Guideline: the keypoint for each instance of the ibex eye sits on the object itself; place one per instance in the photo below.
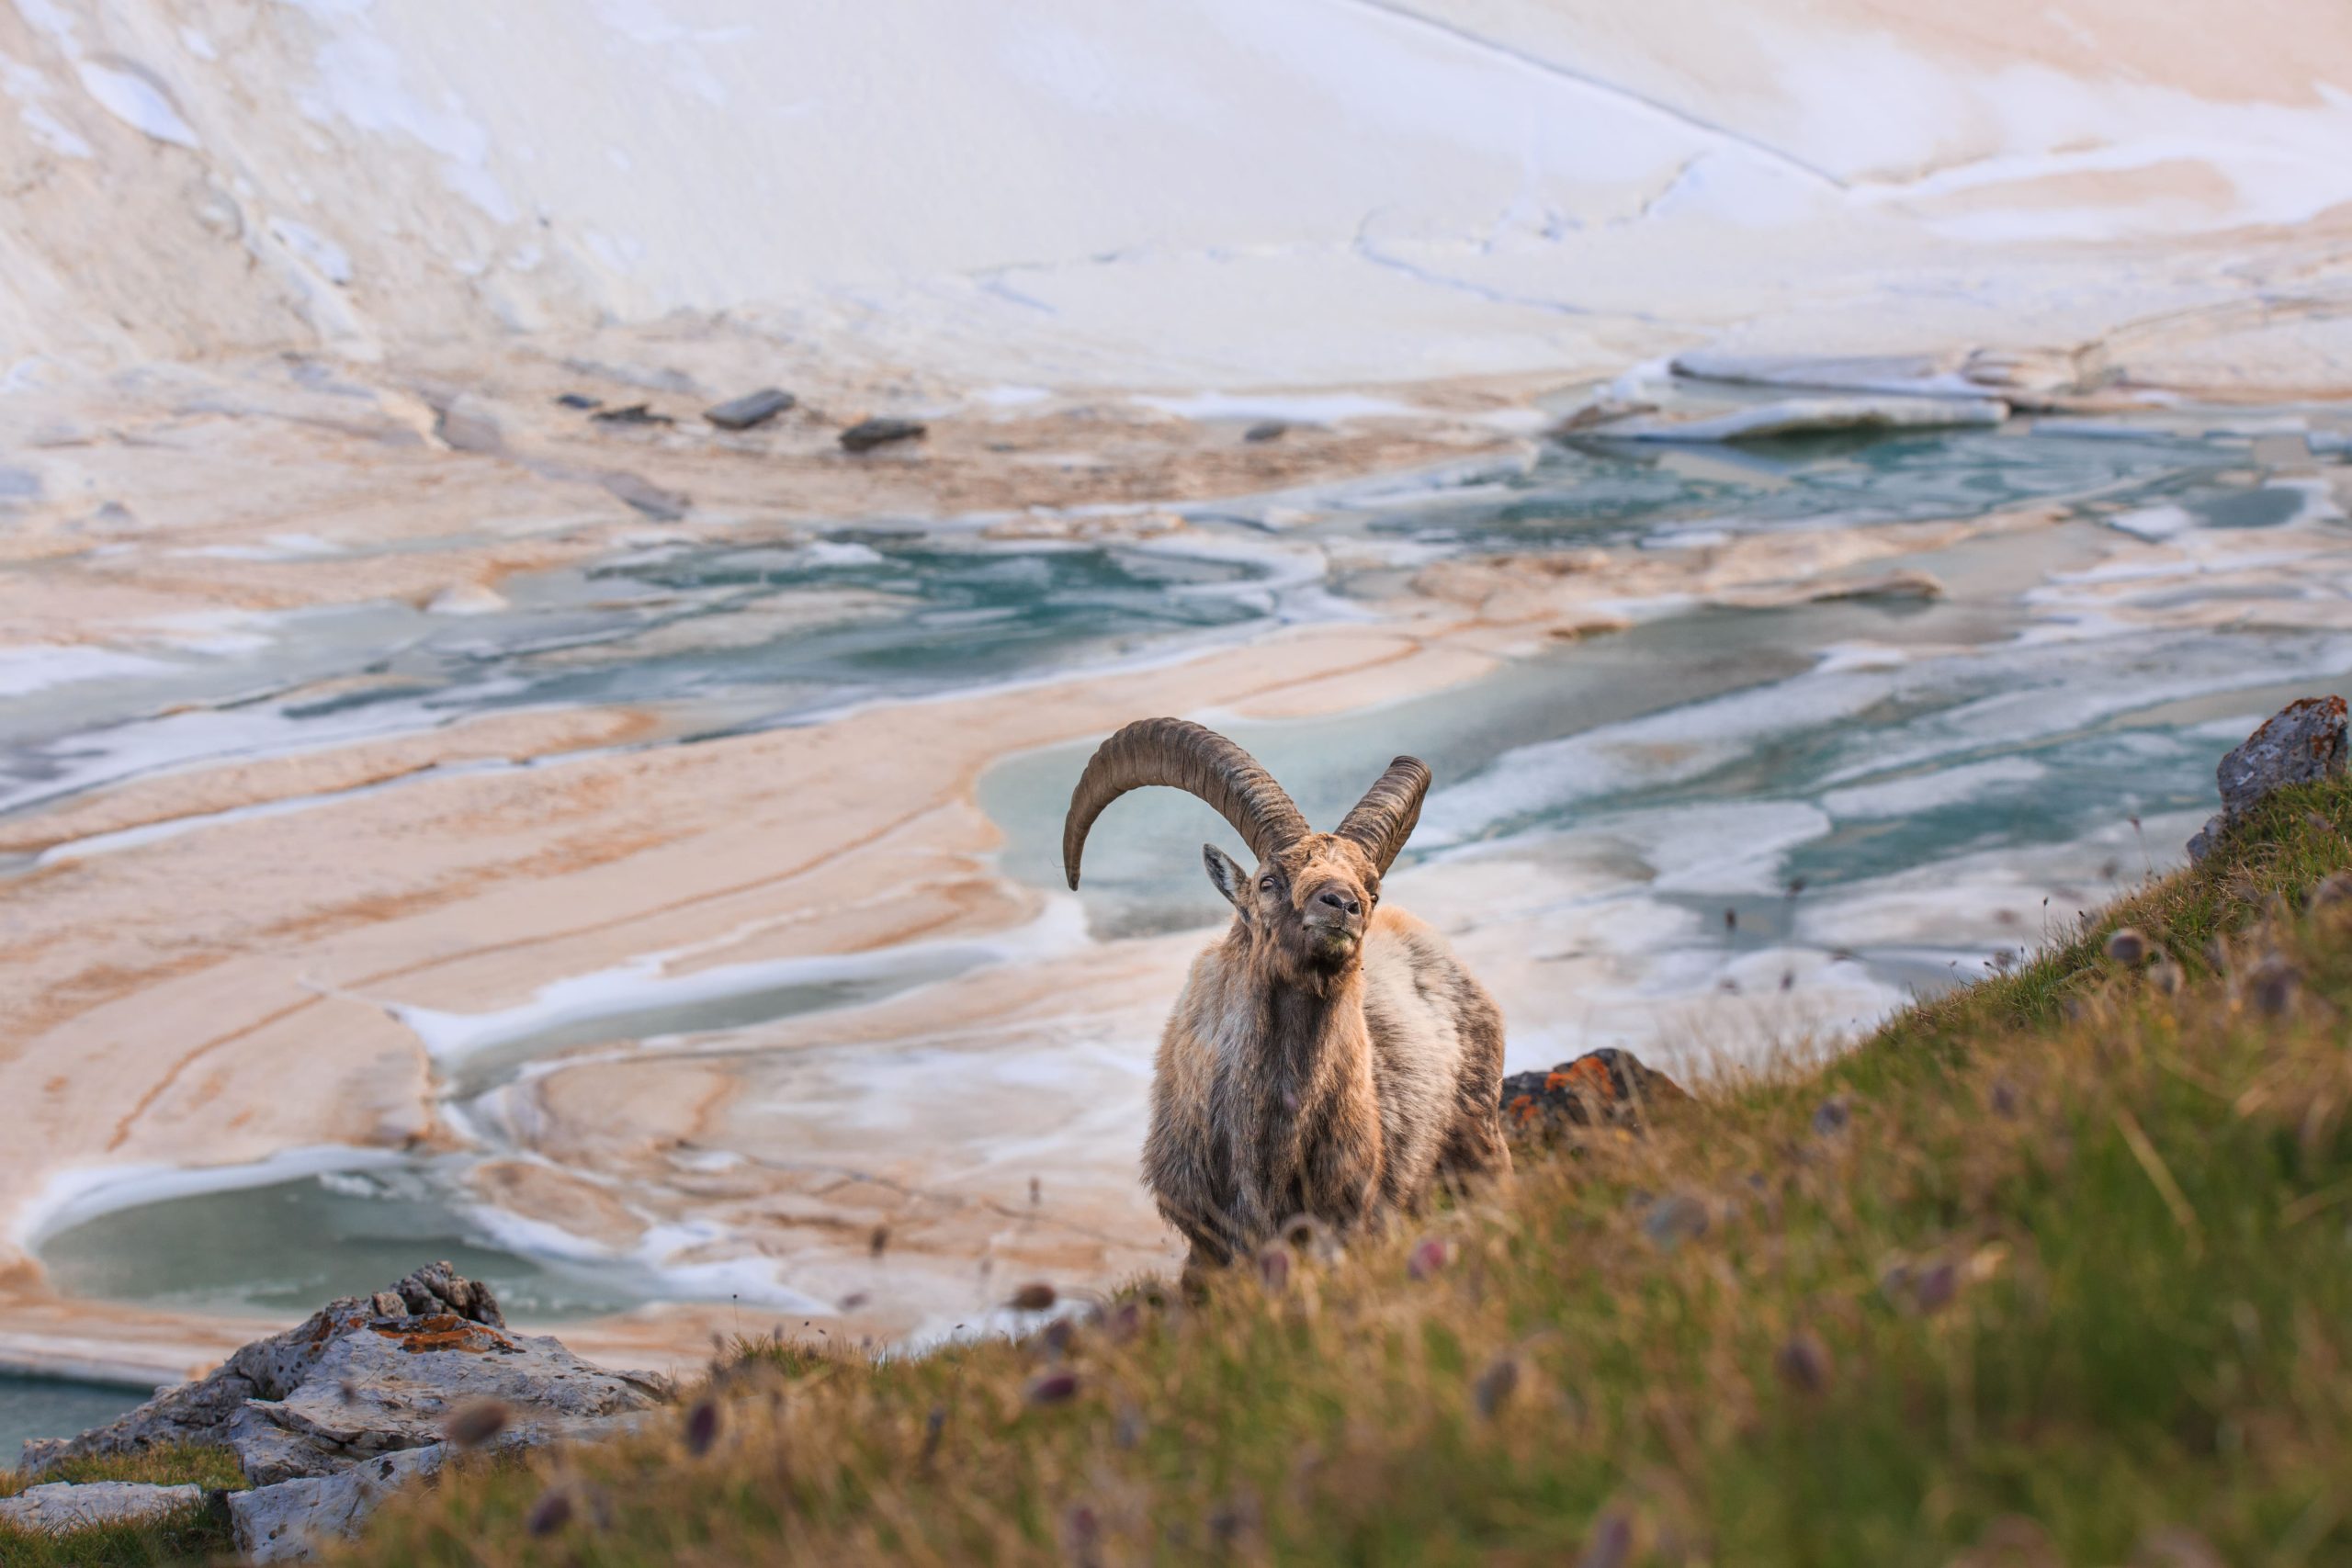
(1267, 883)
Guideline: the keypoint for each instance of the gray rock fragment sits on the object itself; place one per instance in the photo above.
(61, 1506)
(750, 409)
(868, 433)
(663, 505)
(2302, 743)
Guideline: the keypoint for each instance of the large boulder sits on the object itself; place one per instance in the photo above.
(2302, 743)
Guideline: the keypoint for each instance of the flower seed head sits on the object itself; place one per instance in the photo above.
(472, 1425)
(702, 1427)
(549, 1514)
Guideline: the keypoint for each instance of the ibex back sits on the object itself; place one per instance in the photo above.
(1329, 1057)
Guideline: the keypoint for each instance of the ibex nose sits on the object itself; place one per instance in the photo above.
(1340, 901)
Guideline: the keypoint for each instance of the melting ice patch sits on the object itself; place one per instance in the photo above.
(1925, 792)
(35, 667)
(645, 987)
(131, 97)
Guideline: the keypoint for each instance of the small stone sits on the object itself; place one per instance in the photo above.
(750, 409)
(868, 433)
(2126, 945)
(635, 414)
(579, 400)
(663, 505)
(1266, 429)
(469, 424)
(2200, 845)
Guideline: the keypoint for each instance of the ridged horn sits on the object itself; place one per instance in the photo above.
(1384, 819)
(1182, 755)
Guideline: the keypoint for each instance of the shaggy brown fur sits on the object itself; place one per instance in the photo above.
(1329, 1057)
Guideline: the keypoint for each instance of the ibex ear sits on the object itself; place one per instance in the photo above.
(1227, 875)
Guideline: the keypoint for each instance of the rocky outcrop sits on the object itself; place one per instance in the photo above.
(328, 1418)
(2302, 743)
(59, 1507)
(273, 1369)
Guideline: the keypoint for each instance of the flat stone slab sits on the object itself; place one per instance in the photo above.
(61, 1505)
(750, 409)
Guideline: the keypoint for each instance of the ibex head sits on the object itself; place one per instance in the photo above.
(1312, 893)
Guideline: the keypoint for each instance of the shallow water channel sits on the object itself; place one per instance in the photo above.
(1878, 795)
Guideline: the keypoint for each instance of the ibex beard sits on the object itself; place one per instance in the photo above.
(1329, 1061)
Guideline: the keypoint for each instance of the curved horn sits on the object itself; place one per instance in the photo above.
(1183, 755)
(1384, 819)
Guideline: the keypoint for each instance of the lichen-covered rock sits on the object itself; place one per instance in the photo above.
(2302, 743)
(389, 1384)
(61, 1506)
(1603, 1087)
(364, 1376)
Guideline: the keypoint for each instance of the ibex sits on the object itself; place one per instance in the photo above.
(1329, 1057)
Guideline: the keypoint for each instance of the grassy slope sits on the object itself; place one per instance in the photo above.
(2051, 1267)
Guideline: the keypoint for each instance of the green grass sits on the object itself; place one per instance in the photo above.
(2055, 1270)
(194, 1535)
